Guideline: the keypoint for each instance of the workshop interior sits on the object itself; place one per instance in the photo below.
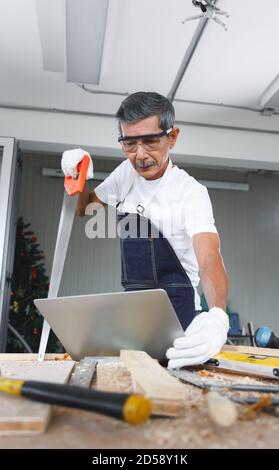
(66, 67)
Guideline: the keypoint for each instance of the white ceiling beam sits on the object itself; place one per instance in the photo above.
(199, 145)
(190, 51)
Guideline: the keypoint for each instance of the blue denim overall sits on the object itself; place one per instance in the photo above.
(149, 262)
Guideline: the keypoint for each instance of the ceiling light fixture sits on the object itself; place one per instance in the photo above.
(101, 176)
(85, 33)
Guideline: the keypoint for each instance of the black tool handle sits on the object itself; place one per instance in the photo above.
(273, 342)
(111, 404)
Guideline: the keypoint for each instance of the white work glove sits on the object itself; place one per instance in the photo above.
(203, 338)
(70, 161)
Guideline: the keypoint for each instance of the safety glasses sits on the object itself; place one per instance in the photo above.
(148, 141)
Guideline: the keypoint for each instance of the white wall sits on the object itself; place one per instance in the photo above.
(248, 223)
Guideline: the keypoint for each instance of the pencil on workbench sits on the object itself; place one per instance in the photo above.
(132, 408)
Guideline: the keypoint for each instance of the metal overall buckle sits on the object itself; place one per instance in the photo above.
(140, 209)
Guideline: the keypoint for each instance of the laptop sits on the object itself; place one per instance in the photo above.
(103, 324)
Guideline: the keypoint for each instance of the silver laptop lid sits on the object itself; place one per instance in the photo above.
(103, 324)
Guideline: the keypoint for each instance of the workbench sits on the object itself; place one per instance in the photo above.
(75, 429)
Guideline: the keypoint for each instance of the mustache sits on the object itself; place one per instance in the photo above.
(144, 164)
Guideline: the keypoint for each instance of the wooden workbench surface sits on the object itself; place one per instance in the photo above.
(79, 429)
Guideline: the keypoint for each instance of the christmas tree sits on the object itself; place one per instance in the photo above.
(29, 282)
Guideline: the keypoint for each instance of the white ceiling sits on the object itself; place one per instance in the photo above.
(144, 45)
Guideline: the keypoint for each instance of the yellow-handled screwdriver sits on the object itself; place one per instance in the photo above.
(132, 408)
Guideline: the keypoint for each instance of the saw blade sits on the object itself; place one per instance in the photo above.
(62, 242)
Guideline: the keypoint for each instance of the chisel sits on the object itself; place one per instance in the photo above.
(132, 408)
(211, 384)
(72, 188)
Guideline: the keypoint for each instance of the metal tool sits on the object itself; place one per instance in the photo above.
(209, 384)
(189, 377)
(84, 372)
(72, 188)
(251, 400)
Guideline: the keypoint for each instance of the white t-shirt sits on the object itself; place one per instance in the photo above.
(176, 204)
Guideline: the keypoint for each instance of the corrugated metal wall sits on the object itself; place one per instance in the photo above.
(248, 223)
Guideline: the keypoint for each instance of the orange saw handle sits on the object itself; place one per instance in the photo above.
(75, 185)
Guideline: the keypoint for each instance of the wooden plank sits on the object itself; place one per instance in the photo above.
(251, 350)
(33, 357)
(166, 393)
(19, 415)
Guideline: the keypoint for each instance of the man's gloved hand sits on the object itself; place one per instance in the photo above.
(70, 161)
(203, 338)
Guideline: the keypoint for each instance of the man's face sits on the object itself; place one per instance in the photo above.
(149, 156)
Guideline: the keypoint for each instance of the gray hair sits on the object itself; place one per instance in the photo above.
(142, 105)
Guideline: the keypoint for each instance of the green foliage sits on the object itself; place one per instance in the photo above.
(29, 282)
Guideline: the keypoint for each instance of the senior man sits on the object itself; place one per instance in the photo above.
(147, 187)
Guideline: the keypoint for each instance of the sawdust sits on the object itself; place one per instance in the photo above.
(195, 429)
(114, 377)
(204, 373)
(72, 428)
(64, 357)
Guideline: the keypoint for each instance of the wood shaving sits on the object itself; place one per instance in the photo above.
(204, 373)
(65, 357)
(251, 411)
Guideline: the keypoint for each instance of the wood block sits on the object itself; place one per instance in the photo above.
(166, 393)
(22, 416)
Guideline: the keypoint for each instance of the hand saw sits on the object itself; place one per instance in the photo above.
(72, 188)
